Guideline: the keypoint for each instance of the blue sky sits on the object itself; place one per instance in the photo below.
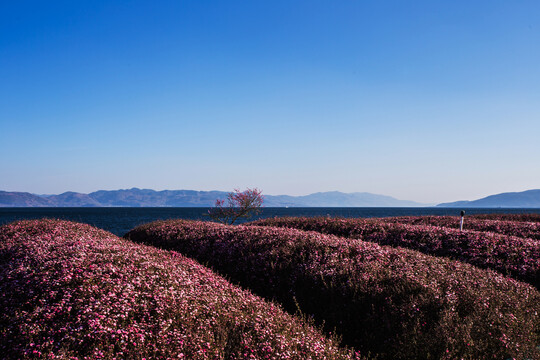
(430, 101)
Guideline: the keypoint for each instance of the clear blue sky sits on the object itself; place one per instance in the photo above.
(422, 100)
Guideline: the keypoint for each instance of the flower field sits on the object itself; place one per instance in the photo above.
(505, 227)
(509, 217)
(71, 291)
(396, 303)
(510, 255)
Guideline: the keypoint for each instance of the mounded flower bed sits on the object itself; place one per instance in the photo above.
(512, 228)
(396, 303)
(71, 291)
(509, 217)
(509, 255)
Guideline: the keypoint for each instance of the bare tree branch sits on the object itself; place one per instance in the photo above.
(239, 204)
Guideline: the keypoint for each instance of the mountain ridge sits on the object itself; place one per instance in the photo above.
(522, 199)
(136, 197)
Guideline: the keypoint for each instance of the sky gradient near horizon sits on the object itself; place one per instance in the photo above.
(428, 101)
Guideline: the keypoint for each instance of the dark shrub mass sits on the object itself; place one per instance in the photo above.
(393, 302)
(509, 255)
(504, 227)
(509, 217)
(71, 291)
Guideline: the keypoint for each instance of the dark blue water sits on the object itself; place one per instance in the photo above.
(121, 220)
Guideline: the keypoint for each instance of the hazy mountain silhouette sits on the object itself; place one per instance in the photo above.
(524, 199)
(190, 198)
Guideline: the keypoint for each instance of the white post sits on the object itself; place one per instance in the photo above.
(461, 222)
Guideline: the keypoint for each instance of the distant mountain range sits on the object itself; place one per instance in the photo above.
(189, 198)
(524, 199)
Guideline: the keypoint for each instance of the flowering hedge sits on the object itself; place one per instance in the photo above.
(508, 217)
(71, 291)
(513, 228)
(394, 302)
(509, 255)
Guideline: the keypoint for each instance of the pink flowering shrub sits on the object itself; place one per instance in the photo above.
(393, 302)
(71, 291)
(239, 204)
(513, 228)
(509, 217)
(509, 255)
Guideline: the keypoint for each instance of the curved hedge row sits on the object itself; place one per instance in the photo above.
(394, 302)
(68, 290)
(509, 217)
(529, 230)
(509, 255)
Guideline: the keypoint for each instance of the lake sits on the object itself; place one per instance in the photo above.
(120, 220)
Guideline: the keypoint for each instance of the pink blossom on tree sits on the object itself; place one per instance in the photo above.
(239, 204)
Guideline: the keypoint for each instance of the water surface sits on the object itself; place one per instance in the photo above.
(120, 220)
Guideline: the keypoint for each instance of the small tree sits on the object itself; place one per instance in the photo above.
(239, 204)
